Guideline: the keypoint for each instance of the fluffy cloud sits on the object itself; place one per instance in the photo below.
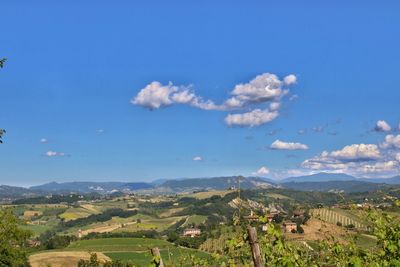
(363, 160)
(391, 141)
(262, 171)
(54, 154)
(265, 89)
(197, 158)
(253, 118)
(357, 152)
(290, 79)
(280, 145)
(382, 126)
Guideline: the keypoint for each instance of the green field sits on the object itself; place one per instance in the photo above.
(195, 219)
(136, 250)
(36, 229)
(118, 244)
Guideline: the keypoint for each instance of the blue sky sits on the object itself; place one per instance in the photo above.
(75, 68)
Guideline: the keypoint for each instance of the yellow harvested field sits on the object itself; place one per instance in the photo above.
(62, 258)
(319, 230)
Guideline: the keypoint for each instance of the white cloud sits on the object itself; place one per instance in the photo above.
(280, 145)
(391, 141)
(155, 95)
(197, 158)
(362, 160)
(357, 152)
(398, 157)
(54, 154)
(382, 126)
(262, 171)
(265, 89)
(290, 79)
(253, 118)
(44, 140)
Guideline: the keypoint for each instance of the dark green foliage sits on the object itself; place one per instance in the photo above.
(59, 241)
(190, 242)
(55, 199)
(94, 262)
(147, 234)
(2, 61)
(12, 240)
(2, 132)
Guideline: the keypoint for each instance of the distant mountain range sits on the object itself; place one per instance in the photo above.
(315, 182)
(88, 187)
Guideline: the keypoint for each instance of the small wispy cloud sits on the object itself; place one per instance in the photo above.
(281, 145)
(100, 131)
(51, 154)
(382, 126)
(197, 158)
(44, 140)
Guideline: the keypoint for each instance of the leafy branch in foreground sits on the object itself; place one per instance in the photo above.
(2, 61)
(2, 132)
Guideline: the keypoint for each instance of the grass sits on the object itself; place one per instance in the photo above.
(208, 194)
(118, 244)
(36, 229)
(135, 250)
(195, 219)
(277, 196)
(144, 258)
(151, 224)
(366, 241)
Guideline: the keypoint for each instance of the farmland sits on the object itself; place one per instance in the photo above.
(341, 216)
(126, 227)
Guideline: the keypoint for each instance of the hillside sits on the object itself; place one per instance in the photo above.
(320, 177)
(216, 183)
(335, 186)
(89, 187)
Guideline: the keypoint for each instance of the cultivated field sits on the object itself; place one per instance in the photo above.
(62, 258)
(335, 216)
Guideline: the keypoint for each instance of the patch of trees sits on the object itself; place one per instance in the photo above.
(12, 240)
(138, 234)
(58, 241)
(189, 242)
(95, 262)
(102, 217)
(56, 199)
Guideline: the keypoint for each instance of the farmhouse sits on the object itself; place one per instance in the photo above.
(192, 232)
(289, 227)
(28, 214)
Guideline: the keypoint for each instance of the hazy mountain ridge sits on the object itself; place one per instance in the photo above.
(315, 182)
(88, 187)
(348, 186)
